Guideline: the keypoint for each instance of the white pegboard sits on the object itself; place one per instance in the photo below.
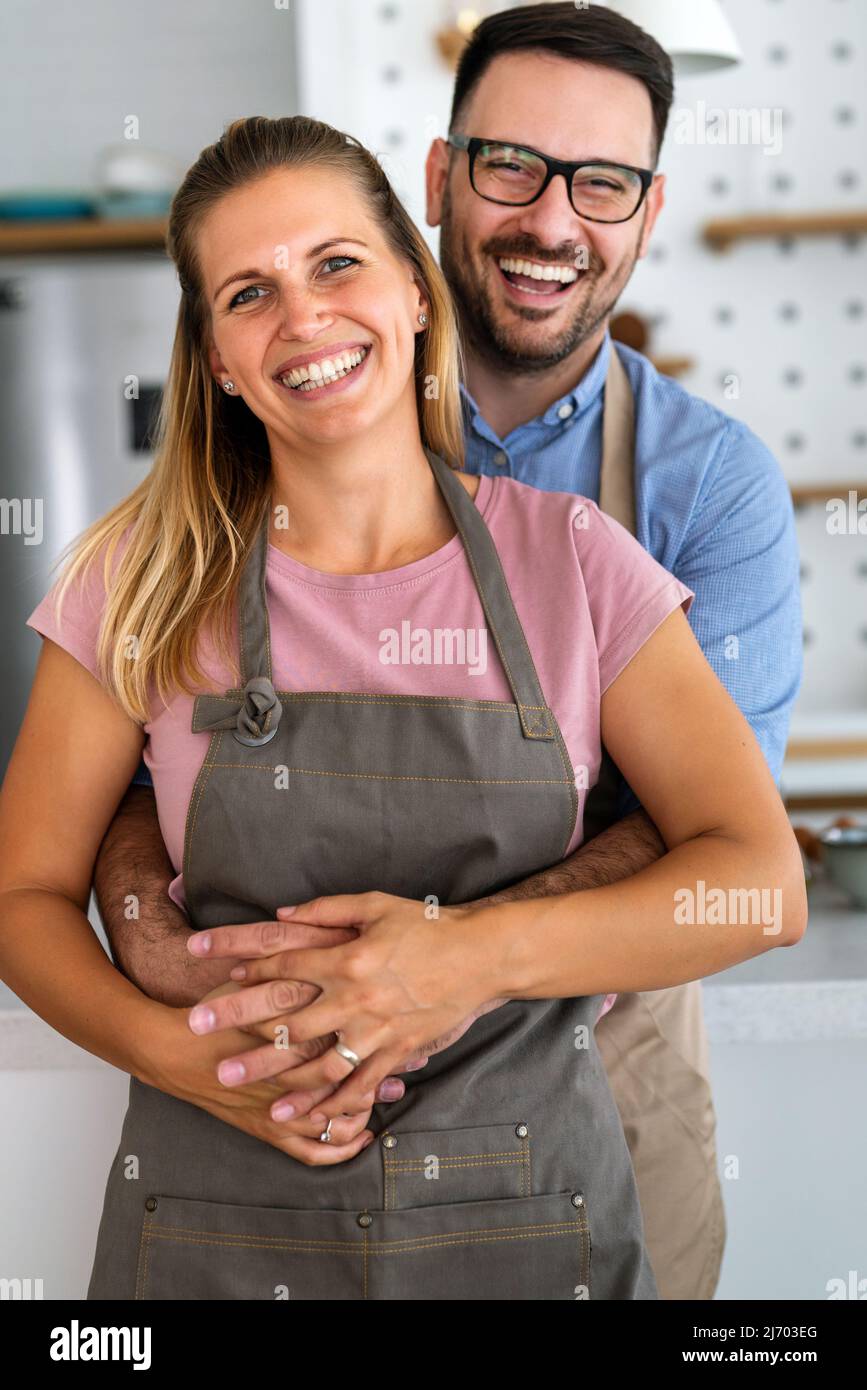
(787, 318)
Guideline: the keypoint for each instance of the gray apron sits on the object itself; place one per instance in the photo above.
(503, 1172)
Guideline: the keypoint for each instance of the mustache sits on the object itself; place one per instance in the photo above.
(567, 255)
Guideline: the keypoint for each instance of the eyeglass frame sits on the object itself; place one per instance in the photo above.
(473, 143)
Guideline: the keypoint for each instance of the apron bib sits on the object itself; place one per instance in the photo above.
(503, 1172)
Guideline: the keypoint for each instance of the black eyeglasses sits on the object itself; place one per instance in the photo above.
(517, 175)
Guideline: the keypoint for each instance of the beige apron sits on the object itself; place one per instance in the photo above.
(653, 1044)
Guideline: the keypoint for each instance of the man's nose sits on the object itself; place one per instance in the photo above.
(552, 220)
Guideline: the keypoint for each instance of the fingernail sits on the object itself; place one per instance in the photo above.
(368, 1141)
(200, 943)
(202, 1019)
(391, 1090)
(238, 972)
(230, 1072)
(319, 1119)
(282, 1110)
(285, 911)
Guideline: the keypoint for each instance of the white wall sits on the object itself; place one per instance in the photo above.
(70, 74)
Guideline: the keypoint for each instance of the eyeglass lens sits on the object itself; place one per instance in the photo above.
(512, 175)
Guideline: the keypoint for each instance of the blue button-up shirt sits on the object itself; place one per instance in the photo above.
(711, 505)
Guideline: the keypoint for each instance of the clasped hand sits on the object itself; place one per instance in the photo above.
(392, 981)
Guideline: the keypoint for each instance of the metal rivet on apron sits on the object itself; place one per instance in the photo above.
(577, 1199)
(521, 1131)
(365, 1219)
(253, 742)
(389, 1141)
(151, 1204)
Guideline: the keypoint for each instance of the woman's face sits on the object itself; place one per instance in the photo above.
(313, 317)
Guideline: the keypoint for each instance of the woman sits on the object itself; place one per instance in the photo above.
(426, 664)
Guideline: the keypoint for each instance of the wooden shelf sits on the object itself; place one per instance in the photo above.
(827, 748)
(722, 233)
(83, 234)
(820, 492)
(673, 366)
(826, 801)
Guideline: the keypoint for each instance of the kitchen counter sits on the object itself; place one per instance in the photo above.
(815, 990)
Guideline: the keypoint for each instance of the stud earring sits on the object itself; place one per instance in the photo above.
(422, 318)
(228, 385)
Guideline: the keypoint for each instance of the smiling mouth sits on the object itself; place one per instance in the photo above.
(317, 376)
(536, 278)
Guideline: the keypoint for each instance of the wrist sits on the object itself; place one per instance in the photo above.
(153, 1033)
(481, 940)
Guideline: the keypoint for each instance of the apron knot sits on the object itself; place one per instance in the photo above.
(260, 701)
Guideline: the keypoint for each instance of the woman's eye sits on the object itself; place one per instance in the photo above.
(237, 299)
(346, 261)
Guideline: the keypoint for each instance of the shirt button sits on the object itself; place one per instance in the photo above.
(501, 459)
(565, 410)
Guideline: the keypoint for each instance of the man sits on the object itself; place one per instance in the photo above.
(536, 263)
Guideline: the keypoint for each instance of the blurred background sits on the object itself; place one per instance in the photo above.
(753, 295)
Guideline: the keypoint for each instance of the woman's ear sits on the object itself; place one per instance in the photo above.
(422, 306)
(216, 365)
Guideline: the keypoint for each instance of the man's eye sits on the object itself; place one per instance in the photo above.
(237, 299)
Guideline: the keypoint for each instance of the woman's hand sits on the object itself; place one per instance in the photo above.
(406, 977)
(272, 1031)
(185, 1066)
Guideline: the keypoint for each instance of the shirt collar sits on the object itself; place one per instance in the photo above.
(581, 395)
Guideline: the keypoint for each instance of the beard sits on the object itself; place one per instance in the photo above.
(507, 344)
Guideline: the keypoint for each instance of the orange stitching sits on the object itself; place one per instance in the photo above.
(418, 1165)
(405, 777)
(406, 1244)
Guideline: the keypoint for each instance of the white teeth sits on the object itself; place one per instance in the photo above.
(327, 369)
(565, 274)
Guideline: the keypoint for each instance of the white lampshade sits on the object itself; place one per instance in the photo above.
(695, 33)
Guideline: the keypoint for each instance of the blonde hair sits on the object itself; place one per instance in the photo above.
(194, 518)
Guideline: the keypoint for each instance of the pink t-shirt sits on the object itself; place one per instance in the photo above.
(587, 593)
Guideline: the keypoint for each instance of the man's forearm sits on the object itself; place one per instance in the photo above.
(616, 853)
(147, 932)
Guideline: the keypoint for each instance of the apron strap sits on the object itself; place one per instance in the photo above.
(617, 499)
(617, 471)
(255, 631)
(505, 625)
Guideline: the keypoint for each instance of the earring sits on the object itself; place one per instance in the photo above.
(422, 318)
(228, 385)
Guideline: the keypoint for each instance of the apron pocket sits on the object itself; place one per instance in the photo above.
(525, 1249)
(215, 1250)
(435, 1166)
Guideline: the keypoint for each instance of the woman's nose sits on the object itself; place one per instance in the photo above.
(302, 314)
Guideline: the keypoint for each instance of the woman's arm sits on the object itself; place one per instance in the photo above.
(692, 760)
(74, 756)
(72, 762)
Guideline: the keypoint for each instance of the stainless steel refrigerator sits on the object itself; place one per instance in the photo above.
(84, 350)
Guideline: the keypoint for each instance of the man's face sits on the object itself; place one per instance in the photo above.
(571, 111)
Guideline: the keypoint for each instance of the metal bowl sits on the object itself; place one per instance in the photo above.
(845, 859)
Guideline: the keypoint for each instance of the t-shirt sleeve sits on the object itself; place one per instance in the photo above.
(76, 628)
(629, 592)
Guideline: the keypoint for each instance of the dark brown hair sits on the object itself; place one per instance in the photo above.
(592, 35)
